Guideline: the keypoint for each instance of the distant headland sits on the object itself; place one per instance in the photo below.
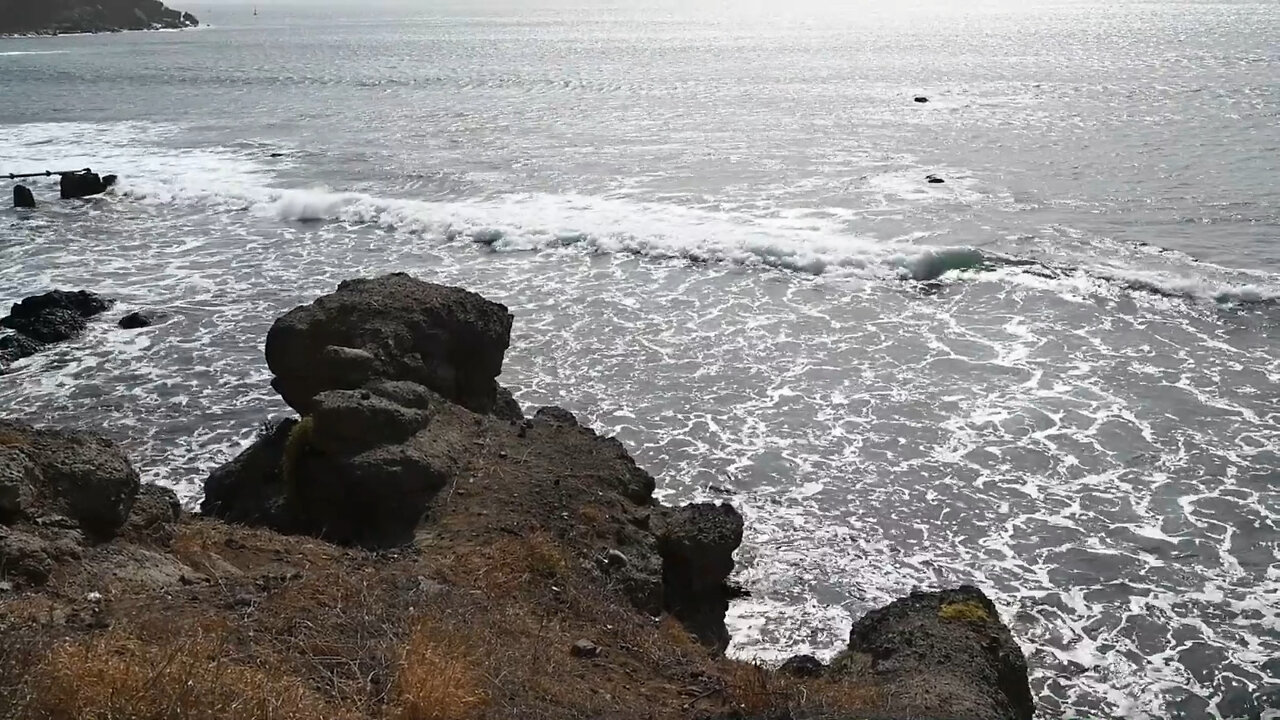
(56, 17)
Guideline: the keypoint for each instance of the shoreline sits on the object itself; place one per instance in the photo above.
(413, 540)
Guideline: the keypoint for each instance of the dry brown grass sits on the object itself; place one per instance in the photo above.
(510, 564)
(757, 690)
(8, 438)
(193, 675)
(438, 678)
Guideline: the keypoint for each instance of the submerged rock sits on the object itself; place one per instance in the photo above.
(393, 327)
(946, 654)
(141, 319)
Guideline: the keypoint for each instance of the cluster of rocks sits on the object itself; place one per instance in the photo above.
(57, 316)
(404, 437)
(54, 17)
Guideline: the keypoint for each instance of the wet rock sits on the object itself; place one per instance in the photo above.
(445, 338)
(802, 666)
(79, 476)
(84, 184)
(947, 654)
(55, 316)
(15, 346)
(141, 319)
(697, 543)
(921, 99)
(22, 197)
(933, 180)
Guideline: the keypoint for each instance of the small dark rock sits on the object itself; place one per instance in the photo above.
(933, 179)
(141, 319)
(921, 99)
(803, 666)
(22, 197)
(585, 649)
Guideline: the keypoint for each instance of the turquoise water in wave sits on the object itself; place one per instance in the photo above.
(1053, 375)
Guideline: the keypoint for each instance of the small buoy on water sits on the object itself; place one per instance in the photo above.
(22, 197)
(921, 99)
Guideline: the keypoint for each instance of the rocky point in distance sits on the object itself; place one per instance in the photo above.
(411, 545)
(56, 17)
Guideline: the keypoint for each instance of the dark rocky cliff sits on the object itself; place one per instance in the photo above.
(51, 17)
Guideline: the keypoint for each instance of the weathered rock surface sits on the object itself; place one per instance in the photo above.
(74, 475)
(51, 17)
(697, 543)
(15, 346)
(947, 654)
(393, 327)
(62, 493)
(141, 319)
(55, 316)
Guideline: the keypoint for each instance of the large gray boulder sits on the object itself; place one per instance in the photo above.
(391, 328)
(946, 654)
(51, 473)
(697, 543)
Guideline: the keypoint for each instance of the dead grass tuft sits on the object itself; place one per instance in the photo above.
(753, 690)
(192, 676)
(438, 678)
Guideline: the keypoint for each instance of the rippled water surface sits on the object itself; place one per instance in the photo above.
(1054, 374)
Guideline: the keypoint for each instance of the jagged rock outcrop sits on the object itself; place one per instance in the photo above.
(697, 543)
(946, 654)
(41, 320)
(51, 17)
(387, 329)
(395, 378)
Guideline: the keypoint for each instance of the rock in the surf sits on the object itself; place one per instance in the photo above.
(946, 654)
(15, 346)
(445, 338)
(22, 197)
(55, 316)
(697, 543)
(921, 99)
(84, 184)
(141, 319)
(933, 179)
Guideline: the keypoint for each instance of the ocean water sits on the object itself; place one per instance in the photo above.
(1055, 375)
